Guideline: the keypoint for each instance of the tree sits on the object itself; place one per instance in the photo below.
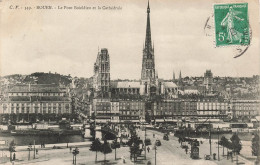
(105, 149)
(223, 142)
(255, 145)
(134, 150)
(115, 145)
(236, 143)
(11, 148)
(96, 146)
(133, 143)
(133, 139)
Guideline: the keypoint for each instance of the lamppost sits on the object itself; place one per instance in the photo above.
(210, 138)
(218, 143)
(33, 149)
(145, 142)
(155, 148)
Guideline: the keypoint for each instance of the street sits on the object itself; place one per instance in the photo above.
(170, 152)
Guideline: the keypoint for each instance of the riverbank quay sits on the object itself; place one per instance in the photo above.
(50, 146)
(63, 156)
(22, 152)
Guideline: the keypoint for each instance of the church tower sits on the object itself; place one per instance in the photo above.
(148, 65)
(149, 85)
(101, 78)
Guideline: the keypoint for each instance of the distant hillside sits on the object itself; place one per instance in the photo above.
(48, 78)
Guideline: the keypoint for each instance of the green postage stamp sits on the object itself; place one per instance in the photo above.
(231, 24)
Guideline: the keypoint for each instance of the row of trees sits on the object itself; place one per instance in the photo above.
(234, 144)
(104, 148)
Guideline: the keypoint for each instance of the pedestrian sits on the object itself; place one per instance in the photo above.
(70, 149)
(124, 160)
(14, 157)
(36, 151)
(148, 149)
(186, 150)
(214, 156)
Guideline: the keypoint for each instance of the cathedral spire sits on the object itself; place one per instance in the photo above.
(180, 80)
(148, 42)
(148, 7)
(173, 76)
(148, 64)
(180, 76)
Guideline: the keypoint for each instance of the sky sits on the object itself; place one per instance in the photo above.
(67, 41)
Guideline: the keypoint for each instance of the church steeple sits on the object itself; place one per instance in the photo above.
(148, 65)
(180, 80)
(148, 38)
(180, 76)
(173, 76)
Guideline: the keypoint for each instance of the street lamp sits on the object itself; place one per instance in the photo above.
(33, 149)
(218, 143)
(155, 148)
(145, 142)
(210, 138)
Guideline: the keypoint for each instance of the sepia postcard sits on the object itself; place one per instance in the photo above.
(152, 82)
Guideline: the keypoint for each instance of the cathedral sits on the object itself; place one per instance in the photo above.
(148, 86)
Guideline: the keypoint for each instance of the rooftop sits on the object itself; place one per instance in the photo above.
(125, 84)
(51, 88)
(38, 98)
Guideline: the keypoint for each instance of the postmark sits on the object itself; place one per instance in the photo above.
(231, 24)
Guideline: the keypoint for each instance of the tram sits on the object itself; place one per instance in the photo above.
(194, 154)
